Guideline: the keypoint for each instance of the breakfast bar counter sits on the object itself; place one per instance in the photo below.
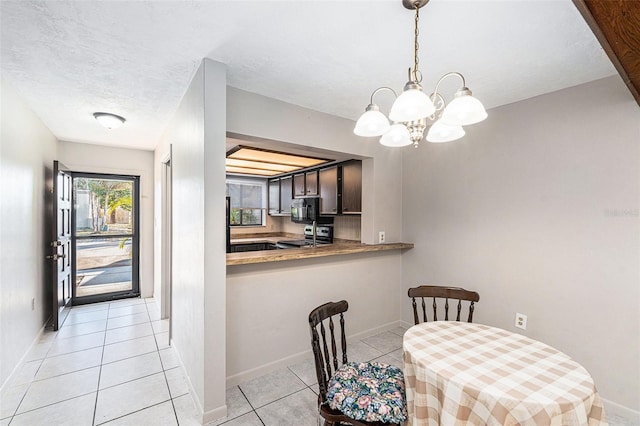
(335, 249)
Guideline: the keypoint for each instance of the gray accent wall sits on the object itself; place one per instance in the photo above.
(537, 210)
(27, 151)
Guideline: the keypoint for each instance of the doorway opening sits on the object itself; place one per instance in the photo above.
(105, 237)
(166, 240)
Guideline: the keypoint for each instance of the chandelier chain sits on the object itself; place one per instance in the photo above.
(416, 46)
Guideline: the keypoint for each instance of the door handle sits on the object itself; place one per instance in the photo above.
(56, 243)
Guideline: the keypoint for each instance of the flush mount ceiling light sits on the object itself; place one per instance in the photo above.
(413, 108)
(108, 120)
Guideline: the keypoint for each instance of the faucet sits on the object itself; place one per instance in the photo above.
(313, 225)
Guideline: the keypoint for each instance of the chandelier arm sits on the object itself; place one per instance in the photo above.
(439, 103)
(449, 74)
(382, 88)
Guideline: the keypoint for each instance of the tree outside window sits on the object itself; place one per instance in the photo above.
(248, 202)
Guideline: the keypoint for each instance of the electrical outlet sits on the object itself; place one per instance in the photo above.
(33, 303)
(381, 238)
(521, 321)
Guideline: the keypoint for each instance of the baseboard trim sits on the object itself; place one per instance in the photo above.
(21, 362)
(205, 417)
(215, 414)
(613, 409)
(269, 367)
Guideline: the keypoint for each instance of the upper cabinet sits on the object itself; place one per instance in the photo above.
(286, 194)
(274, 197)
(299, 187)
(352, 188)
(329, 184)
(311, 183)
(280, 195)
(339, 188)
(305, 184)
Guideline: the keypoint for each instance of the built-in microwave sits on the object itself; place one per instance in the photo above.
(305, 210)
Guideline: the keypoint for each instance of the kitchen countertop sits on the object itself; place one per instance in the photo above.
(265, 239)
(340, 247)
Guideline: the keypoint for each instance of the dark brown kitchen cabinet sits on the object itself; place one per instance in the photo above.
(311, 183)
(305, 184)
(352, 188)
(238, 248)
(299, 186)
(280, 195)
(329, 194)
(286, 194)
(274, 196)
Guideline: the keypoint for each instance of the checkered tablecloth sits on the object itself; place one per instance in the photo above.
(458, 373)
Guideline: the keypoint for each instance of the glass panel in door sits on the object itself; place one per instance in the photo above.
(105, 237)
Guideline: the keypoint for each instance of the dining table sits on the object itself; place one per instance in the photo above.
(460, 373)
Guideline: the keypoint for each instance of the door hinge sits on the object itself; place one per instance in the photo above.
(57, 256)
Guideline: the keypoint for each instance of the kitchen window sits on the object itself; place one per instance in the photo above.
(248, 201)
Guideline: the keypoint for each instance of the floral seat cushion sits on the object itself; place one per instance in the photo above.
(369, 391)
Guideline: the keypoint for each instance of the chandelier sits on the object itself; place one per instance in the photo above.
(413, 109)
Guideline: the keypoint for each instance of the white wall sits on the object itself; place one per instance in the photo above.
(254, 115)
(268, 306)
(524, 211)
(81, 157)
(197, 137)
(27, 152)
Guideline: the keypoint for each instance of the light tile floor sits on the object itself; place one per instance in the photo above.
(111, 364)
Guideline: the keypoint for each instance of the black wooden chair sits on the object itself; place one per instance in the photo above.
(327, 358)
(426, 291)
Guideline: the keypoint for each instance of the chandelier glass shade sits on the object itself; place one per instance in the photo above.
(413, 110)
(412, 104)
(398, 135)
(442, 132)
(372, 122)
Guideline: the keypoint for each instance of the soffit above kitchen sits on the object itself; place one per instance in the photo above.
(69, 59)
(261, 162)
(261, 157)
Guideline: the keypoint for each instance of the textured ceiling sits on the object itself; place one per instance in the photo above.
(136, 58)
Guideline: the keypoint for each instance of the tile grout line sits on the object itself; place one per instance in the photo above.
(95, 406)
(164, 371)
(133, 412)
(48, 405)
(32, 379)
(250, 405)
(53, 340)
(162, 366)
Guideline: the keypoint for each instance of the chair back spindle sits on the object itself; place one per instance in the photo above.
(426, 291)
(327, 362)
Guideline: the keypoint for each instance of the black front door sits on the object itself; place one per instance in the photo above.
(61, 255)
